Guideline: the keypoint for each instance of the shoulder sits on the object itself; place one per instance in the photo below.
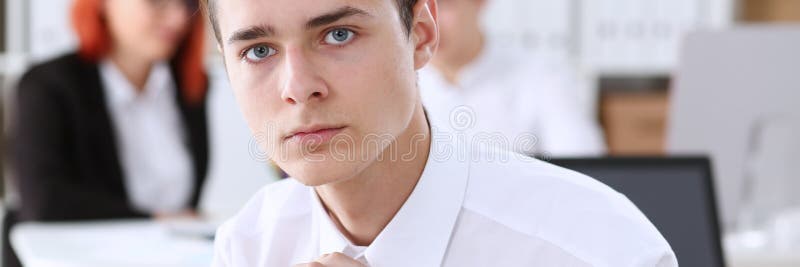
(279, 200)
(271, 223)
(62, 66)
(546, 72)
(533, 182)
(55, 75)
(566, 209)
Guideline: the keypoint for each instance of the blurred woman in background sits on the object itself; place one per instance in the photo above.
(118, 128)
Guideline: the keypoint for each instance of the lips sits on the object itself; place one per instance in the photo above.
(314, 134)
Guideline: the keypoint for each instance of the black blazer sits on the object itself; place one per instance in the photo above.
(64, 150)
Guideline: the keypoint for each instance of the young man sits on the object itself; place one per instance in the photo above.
(507, 91)
(328, 89)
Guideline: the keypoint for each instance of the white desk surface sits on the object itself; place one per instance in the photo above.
(108, 243)
(745, 258)
(738, 255)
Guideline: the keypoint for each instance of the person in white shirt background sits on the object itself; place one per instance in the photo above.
(329, 90)
(505, 88)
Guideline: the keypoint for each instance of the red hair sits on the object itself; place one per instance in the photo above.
(95, 42)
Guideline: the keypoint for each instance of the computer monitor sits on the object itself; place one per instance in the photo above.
(730, 85)
(676, 194)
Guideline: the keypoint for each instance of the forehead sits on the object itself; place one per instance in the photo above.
(289, 14)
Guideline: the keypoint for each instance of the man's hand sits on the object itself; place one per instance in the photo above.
(333, 260)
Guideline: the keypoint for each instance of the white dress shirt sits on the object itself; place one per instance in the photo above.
(151, 139)
(507, 94)
(492, 208)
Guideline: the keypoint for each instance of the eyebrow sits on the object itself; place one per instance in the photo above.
(263, 31)
(334, 16)
(251, 33)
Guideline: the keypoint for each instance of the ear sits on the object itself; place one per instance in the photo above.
(424, 32)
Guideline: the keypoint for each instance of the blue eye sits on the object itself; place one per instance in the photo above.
(339, 36)
(259, 52)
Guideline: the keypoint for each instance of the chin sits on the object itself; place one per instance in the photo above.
(160, 53)
(321, 173)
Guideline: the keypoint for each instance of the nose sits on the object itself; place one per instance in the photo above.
(301, 83)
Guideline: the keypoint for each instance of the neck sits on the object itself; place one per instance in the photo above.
(450, 67)
(135, 69)
(362, 206)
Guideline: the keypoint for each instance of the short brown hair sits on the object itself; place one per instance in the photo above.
(406, 8)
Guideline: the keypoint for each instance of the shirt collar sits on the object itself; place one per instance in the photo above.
(419, 233)
(330, 239)
(120, 91)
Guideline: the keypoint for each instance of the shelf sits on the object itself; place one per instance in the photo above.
(3, 25)
(3, 64)
(631, 71)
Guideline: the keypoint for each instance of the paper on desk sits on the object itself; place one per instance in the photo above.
(114, 243)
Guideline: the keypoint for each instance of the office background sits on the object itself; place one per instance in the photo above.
(625, 52)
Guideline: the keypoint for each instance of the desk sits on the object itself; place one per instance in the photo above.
(108, 243)
(738, 255)
(744, 258)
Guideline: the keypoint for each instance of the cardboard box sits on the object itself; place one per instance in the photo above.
(634, 122)
(770, 10)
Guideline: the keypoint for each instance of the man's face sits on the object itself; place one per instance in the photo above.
(323, 83)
